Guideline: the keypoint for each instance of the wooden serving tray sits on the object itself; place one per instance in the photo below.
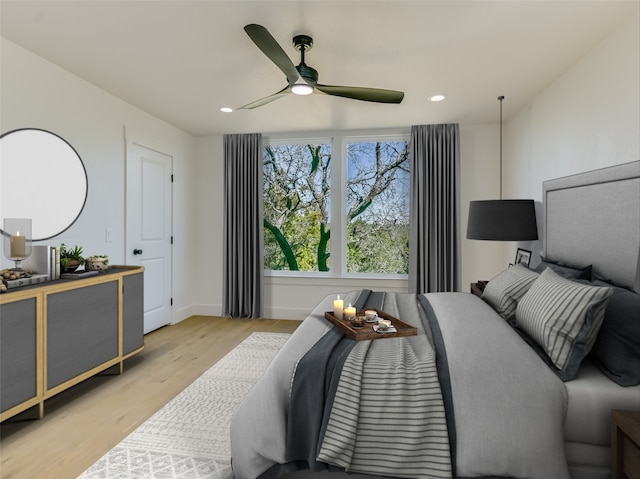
(367, 331)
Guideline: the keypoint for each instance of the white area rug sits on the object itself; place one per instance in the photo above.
(189, 437)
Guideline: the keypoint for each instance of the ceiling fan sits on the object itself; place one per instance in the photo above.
(302, 79)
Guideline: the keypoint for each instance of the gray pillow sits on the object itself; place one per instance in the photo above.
(566, 271)
(507, 288)
(563, 317)
(617, 348)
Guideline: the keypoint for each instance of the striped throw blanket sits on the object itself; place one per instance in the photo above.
(404, 434)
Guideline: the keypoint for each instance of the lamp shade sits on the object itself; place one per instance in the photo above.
(502, 220)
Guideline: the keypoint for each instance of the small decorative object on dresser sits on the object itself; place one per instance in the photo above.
(625, 444)
(97, 263)
(70, 258)
(17, 241)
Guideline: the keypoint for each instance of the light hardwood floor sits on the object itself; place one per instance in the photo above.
(83, 423)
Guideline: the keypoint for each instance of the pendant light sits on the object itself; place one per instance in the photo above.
(502, 220)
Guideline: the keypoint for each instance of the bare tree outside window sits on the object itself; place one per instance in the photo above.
(378, 207)
(297, 202)
(297, 189)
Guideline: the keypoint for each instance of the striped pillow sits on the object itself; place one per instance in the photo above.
(563, 317)
(507, 288)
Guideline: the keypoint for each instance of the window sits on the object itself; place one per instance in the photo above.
(377, 210)
(297, 194)
(304, 188)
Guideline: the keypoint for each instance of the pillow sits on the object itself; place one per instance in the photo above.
(564, 318)
(507, 288)
(617, 348)
(564, 270)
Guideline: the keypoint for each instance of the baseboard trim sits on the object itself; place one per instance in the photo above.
(296, 314)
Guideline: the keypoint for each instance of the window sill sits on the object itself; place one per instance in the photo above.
(339, 283)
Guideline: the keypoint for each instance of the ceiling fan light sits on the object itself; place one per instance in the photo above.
(301, 89)
(438, 97)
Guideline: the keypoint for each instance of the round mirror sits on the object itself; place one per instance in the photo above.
(43, 178)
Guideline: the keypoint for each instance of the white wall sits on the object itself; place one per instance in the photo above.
(589, 118)
(36, 93)
(209, 201)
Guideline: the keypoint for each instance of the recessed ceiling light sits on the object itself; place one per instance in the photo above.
(226, 109)
(437, 97)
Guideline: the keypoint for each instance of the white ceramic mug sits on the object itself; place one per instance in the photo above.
(370, 314)
(384, 324)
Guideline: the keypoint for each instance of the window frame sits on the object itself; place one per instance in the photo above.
(338, 141)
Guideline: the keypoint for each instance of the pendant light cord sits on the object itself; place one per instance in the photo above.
(501, 97)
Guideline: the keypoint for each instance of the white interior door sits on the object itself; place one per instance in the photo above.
(149, 228)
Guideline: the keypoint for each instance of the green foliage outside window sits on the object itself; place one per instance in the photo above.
(297, 192)
(297, 200)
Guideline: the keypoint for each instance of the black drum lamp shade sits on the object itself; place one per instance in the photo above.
(502, 220)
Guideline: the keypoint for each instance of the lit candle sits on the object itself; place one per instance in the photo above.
(18, 246)
(338, 304)
(349, 312)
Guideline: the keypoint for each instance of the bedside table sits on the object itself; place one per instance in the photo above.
(476, 289)
(625, 444)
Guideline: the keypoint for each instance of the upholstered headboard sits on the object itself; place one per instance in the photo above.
(593, 218)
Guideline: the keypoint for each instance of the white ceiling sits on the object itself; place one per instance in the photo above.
(183, 60)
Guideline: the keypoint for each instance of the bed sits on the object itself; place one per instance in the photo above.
(492, 387)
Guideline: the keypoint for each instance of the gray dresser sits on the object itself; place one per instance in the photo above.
(56, 334)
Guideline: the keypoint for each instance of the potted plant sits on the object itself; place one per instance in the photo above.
(96, 263)
(70, 259)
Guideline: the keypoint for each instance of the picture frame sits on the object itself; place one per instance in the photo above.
(523, 256)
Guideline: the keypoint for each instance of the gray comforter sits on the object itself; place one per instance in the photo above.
(498, 411)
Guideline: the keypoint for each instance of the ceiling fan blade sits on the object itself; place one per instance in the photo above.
(362, 93)
(267, 99)
(265, 42)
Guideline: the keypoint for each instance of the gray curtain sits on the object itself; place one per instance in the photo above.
(243, 237)
(434, 236)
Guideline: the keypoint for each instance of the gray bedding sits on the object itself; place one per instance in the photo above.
(489, 431)
(509, 407)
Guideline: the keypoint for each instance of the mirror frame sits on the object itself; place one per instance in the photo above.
(46, 207)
